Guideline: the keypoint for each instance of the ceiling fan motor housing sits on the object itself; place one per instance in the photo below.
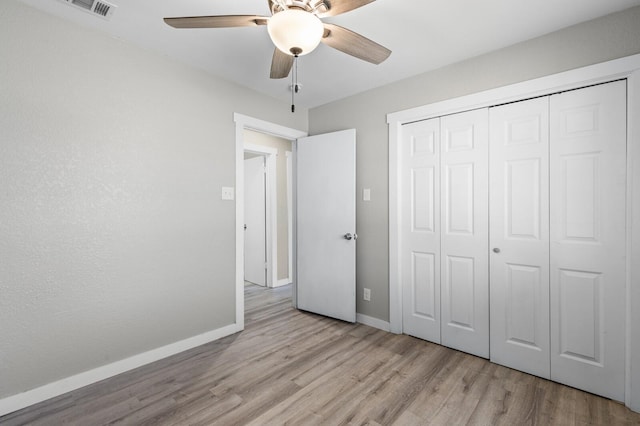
(311, 6)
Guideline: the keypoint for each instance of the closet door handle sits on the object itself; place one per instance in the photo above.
(496, 250)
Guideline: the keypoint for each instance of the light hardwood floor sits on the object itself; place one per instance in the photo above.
(291, 367)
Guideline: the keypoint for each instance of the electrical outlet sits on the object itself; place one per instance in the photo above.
(367, 294)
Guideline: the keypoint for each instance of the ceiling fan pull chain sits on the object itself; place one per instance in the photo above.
(294, 83)
(296, 87)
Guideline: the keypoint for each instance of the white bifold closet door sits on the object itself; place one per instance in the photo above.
(445, 231)
(519, 224)
(420, 267)
(588, 242)
(557, 208)
(464, 269)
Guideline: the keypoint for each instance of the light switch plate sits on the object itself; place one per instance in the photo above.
(366, 194)
(227, 193)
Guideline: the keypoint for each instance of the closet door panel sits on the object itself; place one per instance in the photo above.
(420, 224)
(519, 235)
(588, 171)
(464, 236)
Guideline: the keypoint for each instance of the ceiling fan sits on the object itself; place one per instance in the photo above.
(296, 29)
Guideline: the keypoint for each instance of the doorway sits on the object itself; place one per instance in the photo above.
(268, 207)
(256, 127)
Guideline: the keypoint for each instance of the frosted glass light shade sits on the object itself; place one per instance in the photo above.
(295, 29)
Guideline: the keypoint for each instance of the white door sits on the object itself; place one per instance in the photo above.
(588, 171)
(519, 235)
(464, 270)
(255, 221)
(326, 224)
(420, 239)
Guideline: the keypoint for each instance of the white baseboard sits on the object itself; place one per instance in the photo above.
(373, 322)
(51, 390)
(282, 282)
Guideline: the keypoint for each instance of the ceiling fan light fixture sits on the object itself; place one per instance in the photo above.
(295, 31)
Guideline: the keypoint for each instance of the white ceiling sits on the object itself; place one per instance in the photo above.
(423, 35)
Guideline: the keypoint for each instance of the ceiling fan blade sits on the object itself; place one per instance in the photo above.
(220, 21)
(354, 44)
(281, 64)
(336, 7)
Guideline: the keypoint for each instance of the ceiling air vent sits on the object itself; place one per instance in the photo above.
(95, 7)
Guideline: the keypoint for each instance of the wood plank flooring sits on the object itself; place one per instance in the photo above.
(294, 368)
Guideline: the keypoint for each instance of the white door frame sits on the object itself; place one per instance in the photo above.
(271, 209)
(290, 215)
(245, 122)
(629, 68)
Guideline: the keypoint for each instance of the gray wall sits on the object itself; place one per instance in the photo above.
(603, 39)
(114, 238)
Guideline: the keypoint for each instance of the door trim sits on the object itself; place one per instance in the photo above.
(245, 122)
(271, 209)
(289, 155)
(627, 68)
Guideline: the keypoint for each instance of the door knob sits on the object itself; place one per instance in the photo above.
(349, 236)
(496, 250)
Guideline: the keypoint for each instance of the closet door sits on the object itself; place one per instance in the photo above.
(588, 171)
(519, 235)
(464, 288)
(420, 246)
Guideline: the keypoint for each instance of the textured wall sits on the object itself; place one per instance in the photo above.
(603, 39)
(114, 239)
